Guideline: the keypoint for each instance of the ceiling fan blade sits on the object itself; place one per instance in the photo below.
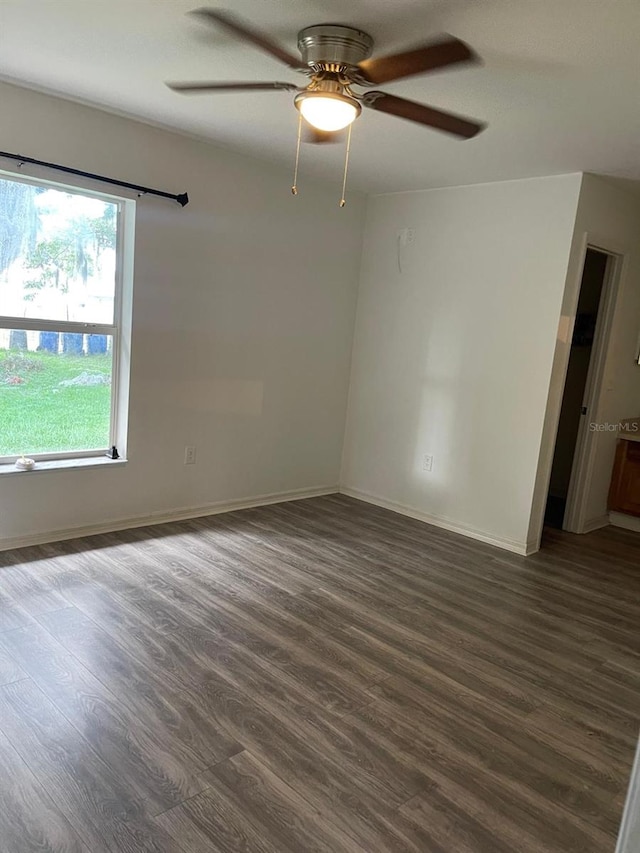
(418, 61)
(321, 137)
(247, 33)
(191, 88)
(422, 114)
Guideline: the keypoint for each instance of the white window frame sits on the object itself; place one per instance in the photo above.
(119, 330)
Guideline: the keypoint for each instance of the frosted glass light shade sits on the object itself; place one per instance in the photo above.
(328, 112)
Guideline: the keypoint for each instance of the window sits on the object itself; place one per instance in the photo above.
(64, 314)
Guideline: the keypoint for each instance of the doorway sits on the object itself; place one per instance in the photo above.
(586, 337)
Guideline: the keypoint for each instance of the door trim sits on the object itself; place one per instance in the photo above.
(566, 323)
(575, 519)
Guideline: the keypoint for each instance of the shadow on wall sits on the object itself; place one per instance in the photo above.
(453, 410)
(434, 426)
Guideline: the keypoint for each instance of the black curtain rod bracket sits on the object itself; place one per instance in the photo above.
(181, 198)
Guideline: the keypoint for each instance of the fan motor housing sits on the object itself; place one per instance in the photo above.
(333, 44)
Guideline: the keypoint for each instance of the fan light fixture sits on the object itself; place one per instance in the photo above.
(336, 57)
(328, 111)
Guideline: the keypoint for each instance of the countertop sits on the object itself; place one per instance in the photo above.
(630, 430)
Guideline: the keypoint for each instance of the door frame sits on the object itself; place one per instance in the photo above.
(584, 454)
(582, 468)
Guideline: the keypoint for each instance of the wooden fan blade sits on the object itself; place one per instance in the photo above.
(321, 137)
(422, 114)
(191, 88)
(247, 33)
(418, 61)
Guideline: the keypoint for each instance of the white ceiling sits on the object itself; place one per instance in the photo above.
(560, 85)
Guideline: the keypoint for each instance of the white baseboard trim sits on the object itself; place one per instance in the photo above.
(522, 548)
(163, 517)
(596, 523)
(629, 522)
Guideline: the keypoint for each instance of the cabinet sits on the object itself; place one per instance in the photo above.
(624, 494)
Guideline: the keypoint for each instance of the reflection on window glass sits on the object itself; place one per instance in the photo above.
(55, 391)
(57, 254)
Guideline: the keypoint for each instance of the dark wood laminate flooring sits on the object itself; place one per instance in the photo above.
(318, 676)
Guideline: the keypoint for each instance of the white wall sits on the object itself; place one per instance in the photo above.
(613, 216)
(629, 838)
(243, 313)
(608, 217)
(453, 356)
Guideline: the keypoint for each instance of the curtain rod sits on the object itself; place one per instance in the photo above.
(181, 198)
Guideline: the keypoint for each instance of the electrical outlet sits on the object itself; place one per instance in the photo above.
(189, 455)
(427, 462)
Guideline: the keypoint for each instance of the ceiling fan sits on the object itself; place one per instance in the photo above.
(336, 57)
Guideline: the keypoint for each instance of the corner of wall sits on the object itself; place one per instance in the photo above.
(566, 320)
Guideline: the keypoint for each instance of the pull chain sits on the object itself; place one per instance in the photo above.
(294, 188)
(346, 167)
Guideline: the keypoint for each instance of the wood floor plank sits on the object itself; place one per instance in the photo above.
(259, 706)
(369, 768)
(145, 691)
(9, 668)
(83, 788)
(12, 614)
(29, 820)
(513, 751)
(295, 823)
(404, 647)
(460, 823)
(135, 752)
(34, 593)
(319, 675)
(288, 736)
(271, 607)
(262, 810)
(332, 687)
(208, 824)
(446, 760)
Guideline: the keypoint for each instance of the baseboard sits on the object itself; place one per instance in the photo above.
(163, 517)
(522, 548)
(531, 547)
(629, 522)
(596, 524)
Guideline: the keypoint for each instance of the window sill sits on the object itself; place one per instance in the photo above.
(62, 465)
